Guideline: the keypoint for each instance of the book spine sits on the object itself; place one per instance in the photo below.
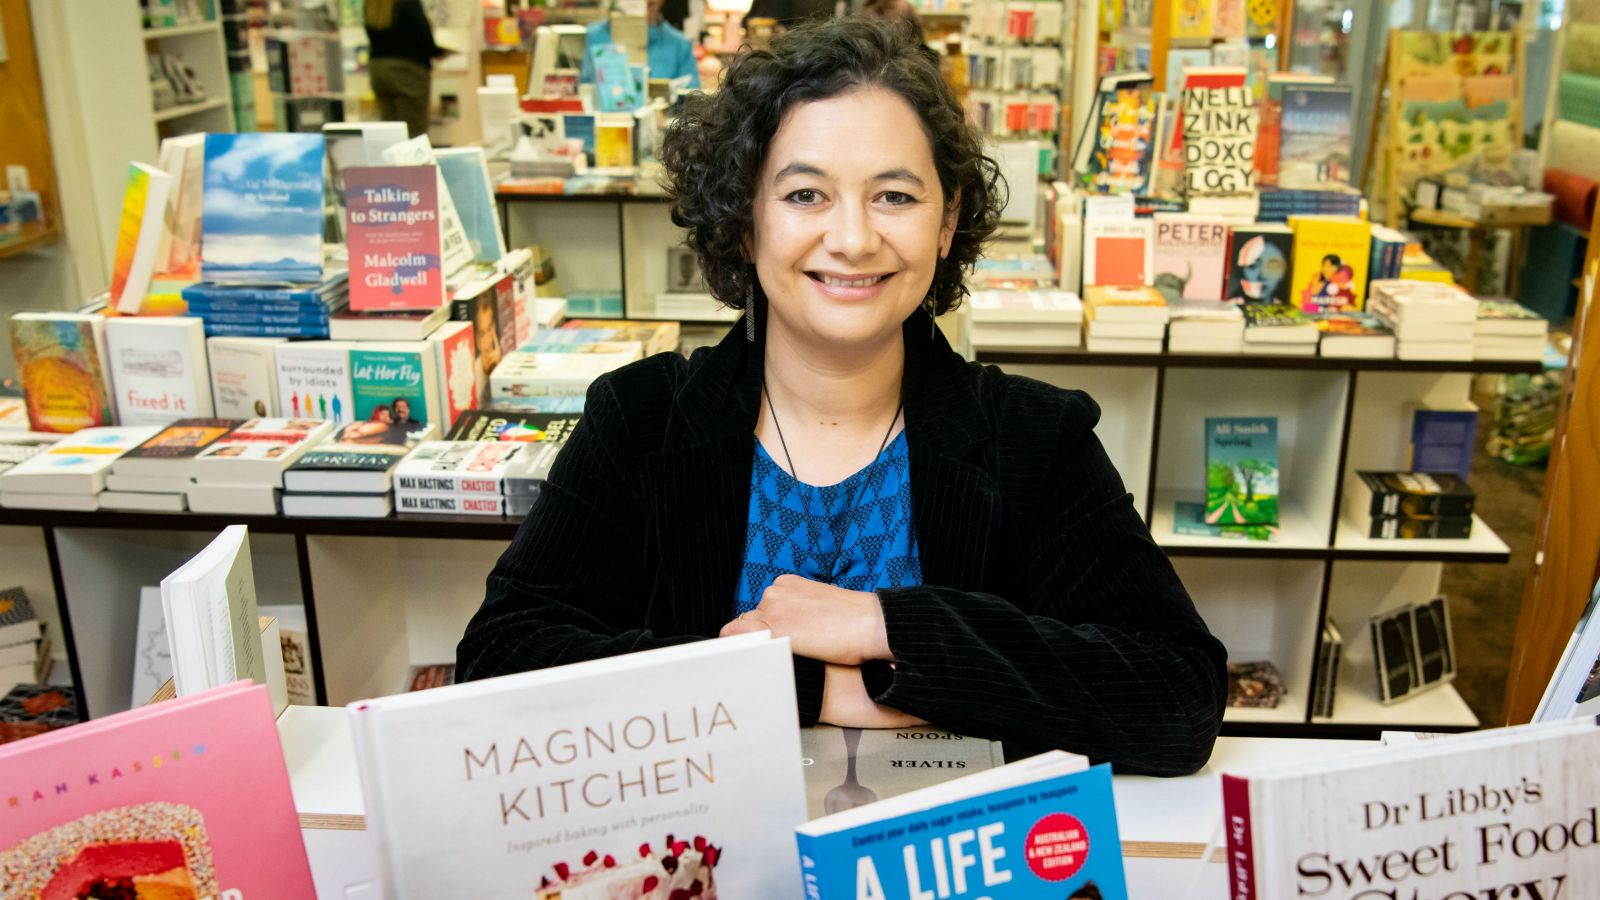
(226, 329)
(456, 504)
(264, 318)
(449, 483)
(204, 293)
(1241, 849)
(277, 307)
(809, 848)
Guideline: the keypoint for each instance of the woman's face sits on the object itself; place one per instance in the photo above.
(849, 219)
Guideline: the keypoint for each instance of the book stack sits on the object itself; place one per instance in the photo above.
(566, 372)
(1124, 319)
(1330, 653)
(1278, 330)
(241, 473)
(1388, 253)
(1410, 505)
(1016, 273)
(1430, 320)
(544, 434)
(458, 477)
(403, 325)
(1508, 330)
(268, 310)
(17, 445)
(24, 648)
(33, 709)
(72, 472)
(1026, 320)
(1205, 326)
(1525, 411)
(1354, 335)
(155, 476)
(349, 473)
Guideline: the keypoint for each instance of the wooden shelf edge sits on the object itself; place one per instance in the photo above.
(1240, 361)
(33, 238)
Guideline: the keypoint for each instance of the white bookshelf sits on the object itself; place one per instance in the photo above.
(1439, 707)
(1483, 541)
(1297, 530)
(202, 47)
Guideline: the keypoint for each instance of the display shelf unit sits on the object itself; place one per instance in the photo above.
(189, 109)
(201, 46)
(35, 236)
(380, 594)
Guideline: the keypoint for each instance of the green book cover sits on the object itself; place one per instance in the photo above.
(389, 385)
(1242, 471)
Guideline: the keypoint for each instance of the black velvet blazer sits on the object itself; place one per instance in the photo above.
(1050, 618)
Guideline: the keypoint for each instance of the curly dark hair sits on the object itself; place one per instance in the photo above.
(714, 151)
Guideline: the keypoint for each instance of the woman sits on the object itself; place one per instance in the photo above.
(940, 542)
(400, 61)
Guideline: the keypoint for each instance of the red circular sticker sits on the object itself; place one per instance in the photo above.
(1057, 847)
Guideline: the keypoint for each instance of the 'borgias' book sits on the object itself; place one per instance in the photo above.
(665, 773)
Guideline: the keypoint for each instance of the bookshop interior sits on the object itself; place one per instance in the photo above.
(1111, 425)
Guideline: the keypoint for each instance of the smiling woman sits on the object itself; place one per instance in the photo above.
(940, 542)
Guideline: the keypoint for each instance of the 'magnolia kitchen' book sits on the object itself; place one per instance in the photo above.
(392, 227)
(666, 773)
(183, 799)
(1503, 813)
(1043, 827)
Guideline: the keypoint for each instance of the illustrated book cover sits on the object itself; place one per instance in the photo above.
(262, 208)
(1242, 471)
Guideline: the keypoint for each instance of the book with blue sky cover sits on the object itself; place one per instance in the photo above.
(261, 219)
(1242, 471)
(1042, 827)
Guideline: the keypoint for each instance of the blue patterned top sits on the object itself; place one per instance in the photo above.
(797, 528)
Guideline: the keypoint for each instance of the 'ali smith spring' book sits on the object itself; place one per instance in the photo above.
(1242, 471)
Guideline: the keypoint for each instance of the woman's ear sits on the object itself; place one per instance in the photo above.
(947, 229)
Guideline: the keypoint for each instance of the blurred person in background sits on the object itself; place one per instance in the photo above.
(401, 61)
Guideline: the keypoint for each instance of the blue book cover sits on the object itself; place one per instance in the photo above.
(203, 307)
(1054, 837)
(261, 217)
(222, 329)
(1314, 144)
(466, 177)
(212, 291)
(1242, 471)
(1442, 441)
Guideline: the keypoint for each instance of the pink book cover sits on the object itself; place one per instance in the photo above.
(392, 228)
(183, 799)
(1191, 256)
(505, 298)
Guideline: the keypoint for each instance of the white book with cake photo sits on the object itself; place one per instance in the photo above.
(666, 773)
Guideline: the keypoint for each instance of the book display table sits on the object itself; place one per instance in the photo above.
(1165, 823)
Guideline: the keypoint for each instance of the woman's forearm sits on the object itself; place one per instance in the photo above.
(845, 702)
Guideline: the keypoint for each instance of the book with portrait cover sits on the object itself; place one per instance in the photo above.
(1258, 263)
(640, 775)
(186, 798)
(1042, 827)
(392, 228)
(65, 370)
(1497, 813)
(1242, 471)
(399, 377)
(1331, 255)
(262, 208)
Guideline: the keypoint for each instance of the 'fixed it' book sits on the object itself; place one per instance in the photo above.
(1242, 471)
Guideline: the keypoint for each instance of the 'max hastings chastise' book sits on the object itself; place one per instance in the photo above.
(262, 208)
(666, 773)
(1043, 827)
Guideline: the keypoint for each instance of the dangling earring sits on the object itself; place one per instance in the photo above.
(933, 324)
(750, 311)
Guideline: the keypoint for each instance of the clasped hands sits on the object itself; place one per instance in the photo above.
(840, 627)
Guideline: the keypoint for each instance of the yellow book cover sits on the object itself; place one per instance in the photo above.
(1193, 20)
(613, 146)
(1330, 263)
(128, 228)
(59, 361)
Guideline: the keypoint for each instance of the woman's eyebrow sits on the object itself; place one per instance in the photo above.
(798, 168)
(899, 175)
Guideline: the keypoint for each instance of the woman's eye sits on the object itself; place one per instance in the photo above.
(804, 197)
(898, 198)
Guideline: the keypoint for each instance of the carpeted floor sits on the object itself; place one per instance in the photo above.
(1484, 599)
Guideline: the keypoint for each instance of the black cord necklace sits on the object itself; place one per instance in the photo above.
(830, 576)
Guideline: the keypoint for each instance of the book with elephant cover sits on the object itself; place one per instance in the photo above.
(1042, 827)
(850, 767)
(663, 773)
(185, 798)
